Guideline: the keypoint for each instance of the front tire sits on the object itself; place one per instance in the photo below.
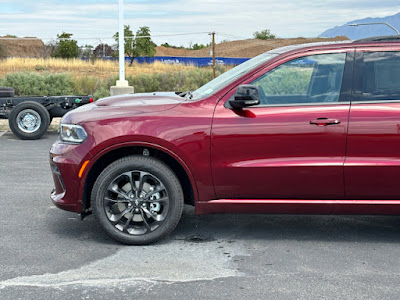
(137, 200)
(29, 120)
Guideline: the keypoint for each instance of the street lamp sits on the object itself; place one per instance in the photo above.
(121, 37)
(122, 86)
(377, 23)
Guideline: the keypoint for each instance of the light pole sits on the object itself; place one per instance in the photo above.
(121, 38)
(377, 23)
(122, 86)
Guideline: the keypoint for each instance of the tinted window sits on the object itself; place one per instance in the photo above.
(309, 79)
(381, 76)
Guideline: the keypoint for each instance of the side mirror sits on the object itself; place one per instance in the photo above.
(245, 95)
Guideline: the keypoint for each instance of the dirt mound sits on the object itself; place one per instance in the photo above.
(243, 48)
(23, 47)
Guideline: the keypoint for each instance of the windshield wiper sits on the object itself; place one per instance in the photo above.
(187, 95)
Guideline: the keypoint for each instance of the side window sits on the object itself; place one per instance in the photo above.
(308, 79)
(381, 76)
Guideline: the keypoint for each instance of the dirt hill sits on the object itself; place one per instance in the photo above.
(243, 48)
(33, 47)
(23, 47)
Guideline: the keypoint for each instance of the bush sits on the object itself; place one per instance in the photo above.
(49, 84)
(33, 84)
(264, 35)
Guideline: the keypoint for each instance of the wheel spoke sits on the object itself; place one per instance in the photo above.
(157, 190)
(155, 217)
(118, 217)
(164, 200)
(142, 176)
(127, 223)
(144, 220)
(131, 181)
(116, 200)
(114, 188)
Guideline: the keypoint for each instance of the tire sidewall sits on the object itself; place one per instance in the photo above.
(154, 167)
(38, 108)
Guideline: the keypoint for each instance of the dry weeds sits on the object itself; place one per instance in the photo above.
(77, 67)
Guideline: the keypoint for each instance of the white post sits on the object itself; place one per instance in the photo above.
(121, 40)
(122, 86)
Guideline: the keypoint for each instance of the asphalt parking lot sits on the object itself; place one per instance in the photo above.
(47, 253)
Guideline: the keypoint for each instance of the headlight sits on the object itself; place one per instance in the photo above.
(74, 134)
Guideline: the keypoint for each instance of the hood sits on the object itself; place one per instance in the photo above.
(159, 99)
(123, 106)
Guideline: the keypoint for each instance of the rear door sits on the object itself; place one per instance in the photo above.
(292, 145)
(372, 167)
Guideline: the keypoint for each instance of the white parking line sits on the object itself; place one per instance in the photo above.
(2, 133)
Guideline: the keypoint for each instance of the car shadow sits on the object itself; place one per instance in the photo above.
(332, 228)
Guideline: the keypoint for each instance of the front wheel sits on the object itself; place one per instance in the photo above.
(29, 120)
(137, 200)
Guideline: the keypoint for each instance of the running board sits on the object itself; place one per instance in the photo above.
(296, 206)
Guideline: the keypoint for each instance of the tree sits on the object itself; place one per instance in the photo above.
(65, 47)
(86, 51)
(103, 50)
(144, 44)
(130, 43)
(141, 45)
(264, 35)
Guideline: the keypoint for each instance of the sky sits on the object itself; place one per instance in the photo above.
(96, 21)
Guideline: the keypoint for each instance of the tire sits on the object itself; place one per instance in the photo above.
(7, 92)
(141, 215)
(29, 120)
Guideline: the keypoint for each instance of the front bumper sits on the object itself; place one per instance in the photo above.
(65, 162)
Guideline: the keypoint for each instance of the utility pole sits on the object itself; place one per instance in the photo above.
(213, 52)
(122, 86)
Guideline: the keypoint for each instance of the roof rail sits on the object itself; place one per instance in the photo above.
(387, 38)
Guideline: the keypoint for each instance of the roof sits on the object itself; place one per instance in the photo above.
(307, 45)
(371, 40)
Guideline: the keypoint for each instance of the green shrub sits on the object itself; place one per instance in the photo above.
(34, 84)
(49, 84)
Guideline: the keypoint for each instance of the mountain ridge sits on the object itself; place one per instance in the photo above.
(364, 31)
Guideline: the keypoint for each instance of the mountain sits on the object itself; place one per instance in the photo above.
(359, 32)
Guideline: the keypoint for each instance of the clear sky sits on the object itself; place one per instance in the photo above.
(236, 18)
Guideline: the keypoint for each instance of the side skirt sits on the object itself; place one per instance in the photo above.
(296, 206)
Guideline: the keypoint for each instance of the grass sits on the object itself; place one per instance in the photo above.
(54, 76)
(78, 67)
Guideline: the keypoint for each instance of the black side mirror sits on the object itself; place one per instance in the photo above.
(245, 95)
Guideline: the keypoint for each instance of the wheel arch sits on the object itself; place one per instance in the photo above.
(108, 156)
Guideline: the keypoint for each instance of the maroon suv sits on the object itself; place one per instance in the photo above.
(313, 128)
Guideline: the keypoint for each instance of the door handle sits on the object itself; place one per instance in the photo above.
(325, 122)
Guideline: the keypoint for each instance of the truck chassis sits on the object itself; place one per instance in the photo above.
(30, 117)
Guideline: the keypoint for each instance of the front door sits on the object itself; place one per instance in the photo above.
(292, 145)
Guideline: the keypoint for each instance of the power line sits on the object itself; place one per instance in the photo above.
(104, 38)
(231, 36)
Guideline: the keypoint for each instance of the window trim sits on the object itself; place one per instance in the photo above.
(300, 104)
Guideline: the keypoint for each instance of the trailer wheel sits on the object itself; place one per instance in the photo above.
(29, 120)
(7, 92)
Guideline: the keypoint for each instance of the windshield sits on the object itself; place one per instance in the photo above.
(231, 75)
